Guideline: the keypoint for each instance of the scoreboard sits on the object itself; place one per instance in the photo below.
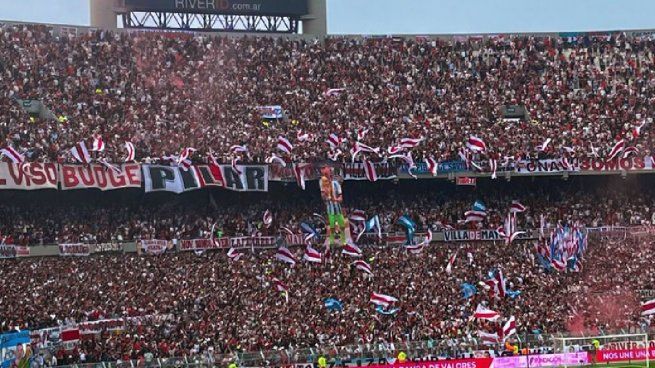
(236, 7)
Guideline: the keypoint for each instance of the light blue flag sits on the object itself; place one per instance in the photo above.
(381, 310)
(333, 304)
(468, 290)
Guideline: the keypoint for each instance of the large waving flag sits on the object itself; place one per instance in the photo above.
(334, 141)
(648, 308)
(479, 206)
(410, 142)
(489, 338)
(451, 262)
(369, 171)
(475, 216)
(516, 207)
(382, 299)
(80, 153)
(131, 152)
(281, 287)
(618, 148)
(185, 154)
(363, 266)
(370, 225)
(485, 313)
(273, 158)
(237, 148)
(468, 290)
(12, 154)
(510, 327)
(312, 255)
(284, 145)
(352, 250)
(233, 254)
(283, 254)
(476, 144)
(98, 145)
(333, 304)
(359, 147)
(433, 165)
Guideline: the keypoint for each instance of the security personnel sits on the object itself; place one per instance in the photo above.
(232, 365)
(322, 362)
(402, 357)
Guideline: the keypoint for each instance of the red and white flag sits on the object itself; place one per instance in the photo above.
(475, 216)
(394, 150)
(185, 154)
(488, 338)
(352, 250)
(333, 92)
(451, 262)
(415, 248)
(485, 313)
(312, 255)
(284, 145)
(618, 148)
(233, 254)
(361, 133)
(186, 164)
(281, 287)
(382, 299)
(476, 144)
(80, 153)
(410, 142)
(558, 265)
(369, 171)
(510, 327)
(648, 308)
(273, 158)
(636, 132)
(131, 152)
(299, 173)
(433, 165)
(283, 254)
(358, 215)
(109, 166)
(493, 165)
(302, 137)
(544, 145)
(517, 207)
(268, 218)
(359, 147)
(233, 164)
(98, 145)
(500, 283)
(334, 141)
(334, 155)
(236, 148)
(363, 266)
(12, 154)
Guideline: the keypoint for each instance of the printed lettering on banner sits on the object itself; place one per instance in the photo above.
(22, 250)
(285, 173)
(634, 163)
(107, 247)
(355, 171)
(7, 251)
(36, 175)
(175, 179)
(154, 246)
(198, 244)
(271, 111)
(466, 180)
(477, 235)
(447, 363)
(77, 249)
(96, 327)
(99, 177)
(624, 355)
(542, 360)
(237, 242)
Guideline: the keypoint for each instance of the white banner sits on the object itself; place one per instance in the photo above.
(35, 175)
(153, 246)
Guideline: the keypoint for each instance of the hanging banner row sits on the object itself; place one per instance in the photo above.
(255, 178)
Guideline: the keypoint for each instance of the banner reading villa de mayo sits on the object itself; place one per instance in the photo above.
(251, 178)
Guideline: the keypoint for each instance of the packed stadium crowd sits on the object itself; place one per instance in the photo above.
(166, 92)
(31, 219)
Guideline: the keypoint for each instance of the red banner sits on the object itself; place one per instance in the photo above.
(36, 175)
(446, 363)
(465, 180)
(100, 177)
(623, 355)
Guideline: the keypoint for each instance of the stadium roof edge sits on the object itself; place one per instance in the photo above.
(68, 27)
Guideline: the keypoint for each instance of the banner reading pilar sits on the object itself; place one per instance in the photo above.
(157, 178)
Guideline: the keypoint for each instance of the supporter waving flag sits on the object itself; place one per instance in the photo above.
(333, 304)
(334, 155)
(80, 153)
(273, 158)
(382, 299)
(363, 266)
(284, 145)
(267, 218)
(352, 250)
(370, 225)
(233, 165)
(361, 133)
(410, 142)
(369, 171)
(312, 255)
(12, 154)
(334, 141)
(485, 313)
(617, 149)
(451, 262)
(630, 151)
(474, 216)
(359, 147)
(433, 165)
(233, 255)
(109, 166)
(544, 145)
(299, 173)
(236, 148)
(333, 92)
(489, 338)
(476, 144)
(131, 152)
(98, 145)
(493, 165)
(281, 287)
(517, 207)
(283, 254)
(358, 215)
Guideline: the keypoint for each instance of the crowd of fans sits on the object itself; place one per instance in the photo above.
(28, 219)
(166, 92)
